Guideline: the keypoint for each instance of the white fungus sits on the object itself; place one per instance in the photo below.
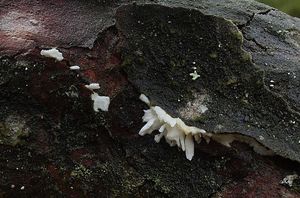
(194, 75)
(261, 137)
(100, 102)
(52, 53)
(74, 67)
(203, 108)
(144, 99)
(93, 86)
(227, 139)
(174, 130)
(289, 180)
(177, 133)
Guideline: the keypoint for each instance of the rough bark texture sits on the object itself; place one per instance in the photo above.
(53, 144)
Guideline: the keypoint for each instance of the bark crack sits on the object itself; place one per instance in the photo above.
(248, 22)
(257, 43)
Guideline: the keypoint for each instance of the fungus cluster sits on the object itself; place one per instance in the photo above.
(177, 133)
(174, 130)
(100, 102)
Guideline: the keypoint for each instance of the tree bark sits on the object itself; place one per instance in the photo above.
(54, 144)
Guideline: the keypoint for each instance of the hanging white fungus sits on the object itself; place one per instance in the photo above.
(52, 53)
(174, 130)
(93, 86)
(74, 67)
(100, 102)
(177, 133)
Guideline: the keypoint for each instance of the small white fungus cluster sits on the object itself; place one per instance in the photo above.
(100, 102)
(174, 130)
(52, 53)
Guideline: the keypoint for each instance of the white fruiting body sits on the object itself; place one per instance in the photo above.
(100, 102)
(177, 133)
(93, 86)
(52, 53)
(174, 130)
(74, 67)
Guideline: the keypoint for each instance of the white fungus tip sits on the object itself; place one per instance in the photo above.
(162, 128)
(146, 127)
(74, 67)
(52, 53)
(93, 86)
(145, 99)
(189, 142)
(182, 143)
(158, 137)
(100, 102)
